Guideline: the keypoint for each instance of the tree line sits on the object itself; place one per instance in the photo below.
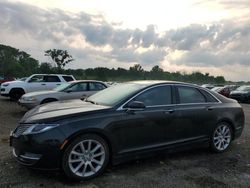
(16, 63)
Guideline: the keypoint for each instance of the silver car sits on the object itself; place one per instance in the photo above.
(72, 90)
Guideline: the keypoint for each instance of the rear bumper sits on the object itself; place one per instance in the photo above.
(238, 132)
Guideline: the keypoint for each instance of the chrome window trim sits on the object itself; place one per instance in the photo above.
(166, 105)
(186, 104)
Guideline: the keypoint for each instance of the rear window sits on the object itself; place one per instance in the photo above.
(68, 78)
(95, 86)
(209, 97)
(51, 79)
(190, 95)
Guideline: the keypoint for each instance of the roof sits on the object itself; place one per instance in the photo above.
(153, 82)
(75, 81)
(53, 74)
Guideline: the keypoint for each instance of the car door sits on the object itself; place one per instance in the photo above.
(52, 81)
(36, 83)
(148, 128)
(194, 114)
(76, 91)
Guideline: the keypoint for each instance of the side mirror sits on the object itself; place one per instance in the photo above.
(136, 105)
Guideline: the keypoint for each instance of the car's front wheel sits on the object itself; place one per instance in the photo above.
(86, 157)
(16, 94)
(221, 138)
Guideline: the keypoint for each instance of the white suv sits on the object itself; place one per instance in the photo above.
(36, 82)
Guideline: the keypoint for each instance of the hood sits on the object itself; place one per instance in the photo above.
(58, 110)
(36, 93)
(14, 82)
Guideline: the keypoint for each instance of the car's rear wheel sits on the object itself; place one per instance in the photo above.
(86, 157)
(221, 138)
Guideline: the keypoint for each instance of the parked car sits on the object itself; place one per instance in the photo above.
(215, 89)
(5, 79)
(225, 91)
(208, 86)
(232, 87)
(37, 82)
(71, 90)
(125, 122)
(241, 94)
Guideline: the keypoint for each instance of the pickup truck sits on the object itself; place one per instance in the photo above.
(36, 82)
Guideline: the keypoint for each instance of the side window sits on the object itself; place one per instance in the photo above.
(190, 95)
(51, 79)
(79, 87)
(209, 97)
(160, 95)
(95, 86)
(68, 78)
(37, 78)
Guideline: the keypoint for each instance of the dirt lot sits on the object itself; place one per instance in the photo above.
(196, 168)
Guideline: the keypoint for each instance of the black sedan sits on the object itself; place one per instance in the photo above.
(241, 94)
(125, 122)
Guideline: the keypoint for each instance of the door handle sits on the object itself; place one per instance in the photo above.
(58, 84)
(209, 108)
(43, 84)
(170, 111)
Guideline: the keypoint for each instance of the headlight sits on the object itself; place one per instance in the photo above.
(29, 98)
(5, 85)
(39, 128)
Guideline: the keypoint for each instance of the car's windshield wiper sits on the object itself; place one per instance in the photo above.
(91, 102)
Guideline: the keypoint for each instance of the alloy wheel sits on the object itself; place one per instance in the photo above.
(86, 158)
(222, 137)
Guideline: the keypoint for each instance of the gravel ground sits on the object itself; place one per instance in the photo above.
(195, 168)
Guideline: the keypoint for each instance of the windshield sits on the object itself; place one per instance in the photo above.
(114, 94)
(23, 79)
(243, 88)
(62, 87)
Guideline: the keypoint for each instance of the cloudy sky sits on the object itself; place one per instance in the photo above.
(182, 35)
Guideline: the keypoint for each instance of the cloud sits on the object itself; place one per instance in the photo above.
(94, 41)
(200, 58)
(97, 35)
(149, 57)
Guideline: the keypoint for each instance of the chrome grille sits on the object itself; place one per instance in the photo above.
(20, 129)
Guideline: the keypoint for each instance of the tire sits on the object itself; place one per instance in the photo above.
(48, 101)
(84, 164)
(221, 138)
(16, 94)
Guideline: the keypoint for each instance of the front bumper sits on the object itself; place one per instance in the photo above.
(5, 91)
(28, 104)
(5, 95)
(39, 151)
